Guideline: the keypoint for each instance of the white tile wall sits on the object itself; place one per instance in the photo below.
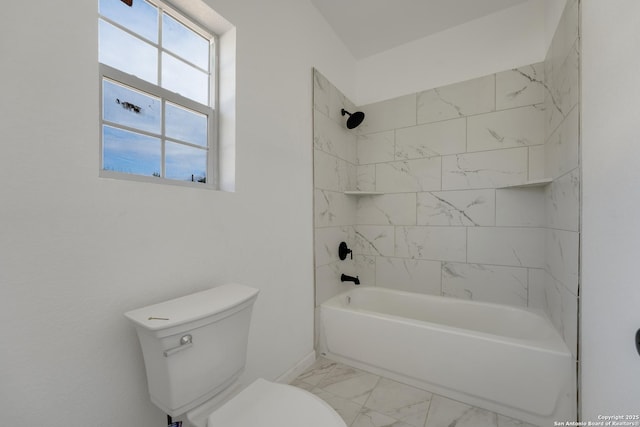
(409, 175)
(519, 87)
(366, 269)
(569, 320)
(375, 240)
(434, 243)
(509, 246)
(376, 147)
(332, 138)
(366, 177)
(333, 208)
(413, 275)
(464, 207)
(561, 149)
(430, 140)
(327, 240)
(562, 202)
(562, 158)
(444, 225)
(553, 300)
(537, 286)
(332, 173)
(388, 209)
(516, 127)
(457, 100)
(439, 156)
(536, 163)
(486, 169)
(321, 93)
(561, 262)
(328, 281)
(491, 283)
(562, 68)
(335, 171)
(337, 102)
(391, 114)
(520, 207)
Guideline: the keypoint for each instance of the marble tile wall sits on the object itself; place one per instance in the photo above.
(560, 293)
(334, 154)
(444, 225)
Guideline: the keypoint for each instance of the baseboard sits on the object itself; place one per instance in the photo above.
(297, 369)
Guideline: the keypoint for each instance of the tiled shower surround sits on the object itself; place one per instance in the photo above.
(445, 224)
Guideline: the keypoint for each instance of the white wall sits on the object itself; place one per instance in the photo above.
(77, 251)
(497, 42)
(610, 226)
(552, 13)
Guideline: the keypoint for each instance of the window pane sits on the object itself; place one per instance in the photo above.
(185, 163)
(184, 42)
(185, 125)
(184, 79)
(128, 53)
(141, 18)
(130, 152)
(129, 107)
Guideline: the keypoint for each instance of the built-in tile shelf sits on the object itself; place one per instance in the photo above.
(363, 193)
(534, 183)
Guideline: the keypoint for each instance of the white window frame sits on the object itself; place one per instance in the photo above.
(211, 111)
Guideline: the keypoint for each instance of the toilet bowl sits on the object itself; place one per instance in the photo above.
(194, 350)
(264, 403)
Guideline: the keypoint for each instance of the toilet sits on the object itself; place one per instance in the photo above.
(194, 350)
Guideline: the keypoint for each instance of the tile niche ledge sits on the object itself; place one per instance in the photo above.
(533, 183)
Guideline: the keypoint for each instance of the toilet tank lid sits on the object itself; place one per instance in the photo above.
(192, 307)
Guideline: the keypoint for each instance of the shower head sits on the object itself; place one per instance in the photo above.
(354, 119)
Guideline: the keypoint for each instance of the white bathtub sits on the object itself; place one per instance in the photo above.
(506, 359)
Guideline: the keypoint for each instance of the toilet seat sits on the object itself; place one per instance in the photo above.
(264, 403)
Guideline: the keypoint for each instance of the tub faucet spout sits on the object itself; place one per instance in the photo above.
(345, 278)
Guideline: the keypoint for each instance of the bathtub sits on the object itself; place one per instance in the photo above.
(505, 359)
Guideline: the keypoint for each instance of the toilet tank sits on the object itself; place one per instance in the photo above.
(195, 346)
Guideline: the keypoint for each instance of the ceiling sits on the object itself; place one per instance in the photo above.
(368, 27)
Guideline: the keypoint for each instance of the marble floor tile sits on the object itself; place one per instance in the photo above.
(446, 413)
(349, 383)
(363, 399)
(510, 422)
(400, 401)
(369, 418)
(347, 409)
(317, 371)
(301, 384)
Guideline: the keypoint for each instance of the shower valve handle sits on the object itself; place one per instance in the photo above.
(343, 250)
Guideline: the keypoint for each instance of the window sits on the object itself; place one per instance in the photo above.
(158, 94)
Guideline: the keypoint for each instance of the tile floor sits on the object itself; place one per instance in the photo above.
(367, 400)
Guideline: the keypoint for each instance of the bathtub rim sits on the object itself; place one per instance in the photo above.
(553, 344)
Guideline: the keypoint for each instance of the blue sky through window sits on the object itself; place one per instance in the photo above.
(141, 18)
(185, 125)
(130, 152)
(134, 120)
(125, 52)
(184, 42)
(185, 163)
(132, 108)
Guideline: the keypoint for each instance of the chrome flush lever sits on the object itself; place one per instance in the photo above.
(185, 342)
